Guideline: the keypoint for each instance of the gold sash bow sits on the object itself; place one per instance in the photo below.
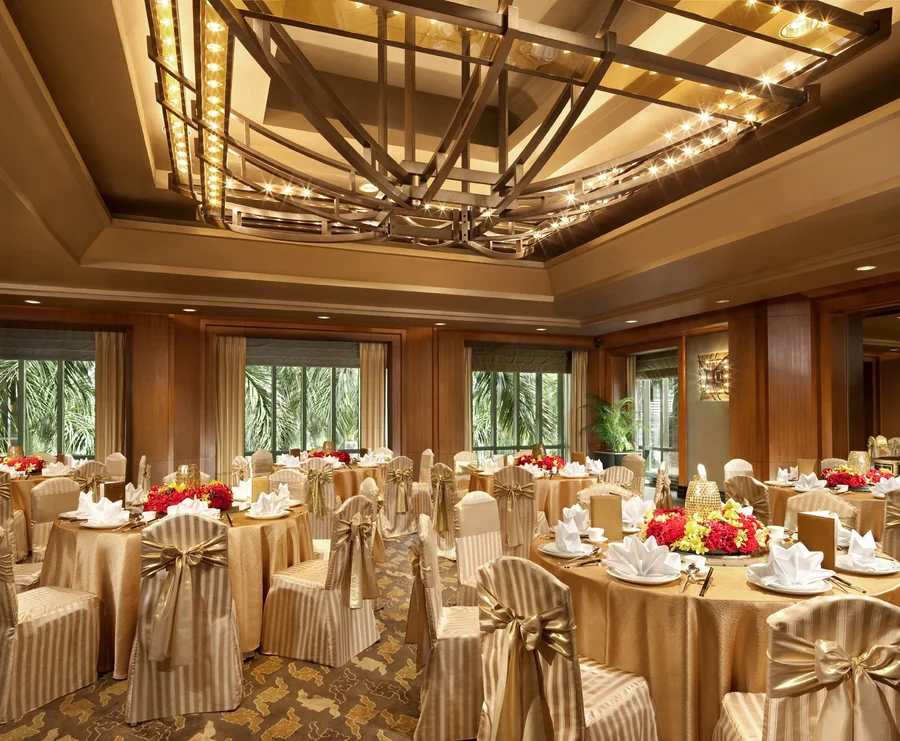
(91, 482)
(172, 632)
(317, 478)
(403, 478)
(512, 535)
(417, 631)
(442, 485)
(798, 667)
(359, 563)
(520, 710)
(240, 471)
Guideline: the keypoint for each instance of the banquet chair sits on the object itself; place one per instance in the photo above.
(749, 492)
(240, 470)
(185, 657)
(322, 611)
(637, 464)
(894, 446)
(813, 501)
(829, 463)
(426, 462)
(515, 495)
(447, 646)
(261, 463)
(169, 478)
(662, 498)
(321, 499)
(13, 522)
(890, 543)
(478, 541)
(369, 489)
(829, 661)
(463, 459)
(143, 475)
(383, 451)
(63, 621)
(89, 476)
(48, 500)
(738, 467)
(807, 466)
(397, 518)
(579, 457)
(583, 497)
(878, 447)
(620, 475)
(116, 465)
(546, 683)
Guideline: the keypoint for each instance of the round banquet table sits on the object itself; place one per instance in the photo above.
(551, 495)
(108, 564)
(691, 650)
(347, 479)
(871, 509)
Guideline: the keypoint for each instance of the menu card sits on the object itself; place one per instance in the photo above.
(818, 533)
(606, 512)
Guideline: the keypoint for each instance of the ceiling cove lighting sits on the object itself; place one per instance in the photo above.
(32, 301)
(189, 311)
(723, 301)
(631, 321)
(866, 268)
(323, 316)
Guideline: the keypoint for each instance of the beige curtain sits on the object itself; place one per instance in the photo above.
(578, 410)
(467, 397)
(372, 366)
(231, 361)
(110, 394)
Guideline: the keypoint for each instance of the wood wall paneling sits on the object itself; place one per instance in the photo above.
(418, 397)
(747, 350)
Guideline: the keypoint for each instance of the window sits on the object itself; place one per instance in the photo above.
(47, 403)
(656, 409)
(294, 401)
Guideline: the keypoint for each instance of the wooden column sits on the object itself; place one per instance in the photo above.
(748, 369)
(418, 392)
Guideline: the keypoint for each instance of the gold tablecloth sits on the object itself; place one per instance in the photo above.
(108, 564)
(347, 480)
(691, 650)
(871, 509)
(551, 495)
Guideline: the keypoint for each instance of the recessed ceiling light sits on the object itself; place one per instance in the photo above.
(440, 324)
(541, 329)
(865, 268)
(723, 301)
(189, 311)
(32, 301)
(324, 317)
(369, 188)
(631, 321)
(799, 27)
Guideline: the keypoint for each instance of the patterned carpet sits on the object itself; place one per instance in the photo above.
(375, 696)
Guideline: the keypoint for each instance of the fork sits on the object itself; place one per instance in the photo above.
(690, 577)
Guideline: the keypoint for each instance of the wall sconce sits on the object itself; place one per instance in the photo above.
(714, 380)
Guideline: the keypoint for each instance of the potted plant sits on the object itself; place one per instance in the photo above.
(613, 426)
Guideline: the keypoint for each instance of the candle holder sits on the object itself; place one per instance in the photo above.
(859, 462)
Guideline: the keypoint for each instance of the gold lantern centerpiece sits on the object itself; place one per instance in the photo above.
(189, 475)
(859, 461)
(702, 496)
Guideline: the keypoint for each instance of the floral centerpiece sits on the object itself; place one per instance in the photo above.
(547, 463)
(844, 476)
(726, 531)
(341, 455)
(28, 465)
(163, 496)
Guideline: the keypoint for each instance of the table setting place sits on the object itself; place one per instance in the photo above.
(372, 460)
(784, 477)
(573, 470)
(568, 535)
(885, 486)
(809, 482)
(56, 469)
(633, 513)
(101, 515)
(271, 506)
(288, 461)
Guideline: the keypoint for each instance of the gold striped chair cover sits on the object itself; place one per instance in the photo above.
(894, 446)
(738, 467)
(426, 463)
(261, 463)
(813, 501)
(63, 621)
(580, 698)
(398, 516)
(517, 505)
(8, 519)
(240, 470)
(89, 476)
(813, 691)
(878, 447)
(442, 497)
(369, 489)
(478, 541)
(619, 475)
(662, 499)
(828, 463)
(322, 525)
(891, 541)
(382, 450)
(170, 478)
(447, 640)
(635, 463)
(116, 465)
(322, 611)
(189, 662)
(747, 491)
(462, 460)
(584, 496)
(48, 500)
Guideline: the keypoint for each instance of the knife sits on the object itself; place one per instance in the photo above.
(848, 584)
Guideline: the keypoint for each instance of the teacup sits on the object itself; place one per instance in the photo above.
(776, 532)
(595, 534)
(842, 488)
(699, 562)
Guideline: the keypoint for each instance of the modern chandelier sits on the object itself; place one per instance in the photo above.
(251, 179)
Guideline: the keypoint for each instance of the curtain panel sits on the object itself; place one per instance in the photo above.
(372, 369)
(109, 411)
(578, 401)
(467, 397)
(231, 359)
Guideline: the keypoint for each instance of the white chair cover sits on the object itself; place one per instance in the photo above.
(116, 466)
(186, 657)
(426, 462)
(819, 500)
(750, 492)
(637, 464)
(322, 611)
(63, 621)
(738, 467)
(261, 462)
(478, 541)
(48, 500)
(447, 640)
(462, 460)
(515, 495)
(563, 697)
(619, 475)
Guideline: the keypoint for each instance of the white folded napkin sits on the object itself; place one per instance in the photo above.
(810, 482)
(288, 461)
(13, 473)
(85, 503)
(633, 511)
(844, 534)
(106, 512)
(886, 486)
(784, 476)
(794, 472)
(284, 489)
(56, 469)
(573, 470)
(335, 462)
(578, 515)
(637, 558)
(273, 503)
(243, 492)
(594, 466)
(789, 567)
(80, 463)
(133, 494)
(567, 538)
(193, 507)
(862, 551)
(534, 470)
(70, 460)
(370, 459)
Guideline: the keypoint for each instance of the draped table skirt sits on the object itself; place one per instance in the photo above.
(551, 495)
(691, 651)
(871, 509)
(108, 564)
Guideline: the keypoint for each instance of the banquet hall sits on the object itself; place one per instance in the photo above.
(511, 370)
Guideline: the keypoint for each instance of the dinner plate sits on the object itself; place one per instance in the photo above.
(570, 476)
(367, 465)
(550, 550)
(267, 517)
(645, 580)
(103, 525)
(818, 587)
(877, 495)
(602, 539)
(626, 530)
(887, 566)
(806, 491)
(783, 484)
(73, 515)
